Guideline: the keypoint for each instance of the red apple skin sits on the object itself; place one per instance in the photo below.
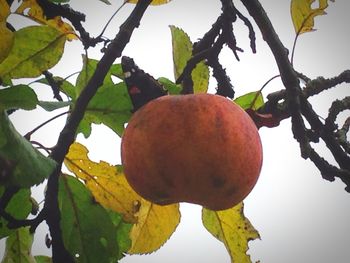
(202, 149)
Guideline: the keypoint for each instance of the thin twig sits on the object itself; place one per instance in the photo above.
(29, 134)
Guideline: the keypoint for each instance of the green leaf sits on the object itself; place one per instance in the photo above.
(18, 97)
(89, 67)
(117, 71)
(171, 87)
(43, 259)
(30, 167)
(19, 246)
(35, 49)
(182, 52)
(19, 207)
(233, 229)
(110, 106)
(54, 105)
(123, 229)
(87, 230)
(252, 100)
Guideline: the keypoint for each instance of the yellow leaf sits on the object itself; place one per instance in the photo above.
(154, 2)
(153, 224)
(303, 14)
(107, 183)
(233, 229)
(6, 42)
(6, 34)
(37, 14)
(4, 10)
(154, 227)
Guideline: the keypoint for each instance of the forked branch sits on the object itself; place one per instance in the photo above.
(296, 105)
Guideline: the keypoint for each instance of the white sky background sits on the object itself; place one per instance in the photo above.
(300, 217)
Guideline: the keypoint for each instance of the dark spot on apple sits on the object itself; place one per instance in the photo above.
(217, 181)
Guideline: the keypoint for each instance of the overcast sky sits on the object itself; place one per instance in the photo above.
(300, 217)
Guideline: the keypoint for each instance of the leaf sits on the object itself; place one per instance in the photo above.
(18, 97)
(171, 87)
(4, 10)
(252, 100)
(19, 207)
(54, 105)
(88, 69)
(154, 227)
(87, 230)
(233, 229)
(7, 39)
(35, 49)
(303, 14)
(117, 71)
(34, 11)
(18, 247)
(154, 2)
(264, 119)
(6, 34)
(123, 239)
(25, 159)
(182, 52)
(110, 106)
(107, 183)
(153, 224)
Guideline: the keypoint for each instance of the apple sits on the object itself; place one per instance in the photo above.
(197, 148)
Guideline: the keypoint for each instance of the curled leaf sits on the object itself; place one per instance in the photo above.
(233, 229)
(303, 14)
(37, 14)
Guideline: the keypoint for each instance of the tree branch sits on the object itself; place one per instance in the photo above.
(67, 135)
(298, 107)
(55, 86)
(52, 10)
(288, 75)
(209, 47)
